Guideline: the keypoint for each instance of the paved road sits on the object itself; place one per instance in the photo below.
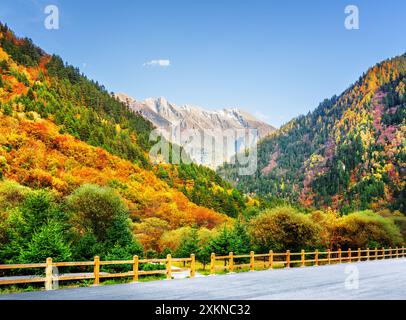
(377, 280)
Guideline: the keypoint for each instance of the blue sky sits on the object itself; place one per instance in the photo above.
(275, 59)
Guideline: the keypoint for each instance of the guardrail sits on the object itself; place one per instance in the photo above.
(269, 260)
(96, 275)
(287, 259)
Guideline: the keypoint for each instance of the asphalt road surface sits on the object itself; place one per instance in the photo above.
(377, 280)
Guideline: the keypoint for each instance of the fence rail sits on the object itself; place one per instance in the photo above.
(270, 260)
(50, 277)
(304, 258)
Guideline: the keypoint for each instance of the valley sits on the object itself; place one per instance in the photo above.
(77, 180)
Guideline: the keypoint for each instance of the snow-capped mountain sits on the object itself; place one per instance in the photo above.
(172, 119)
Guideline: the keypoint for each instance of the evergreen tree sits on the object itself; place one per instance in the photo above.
(222, 244)
(240, 240)
(48, 241)
(188, 245)
(204, 255)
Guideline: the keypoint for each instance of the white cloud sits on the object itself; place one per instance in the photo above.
(158, 63)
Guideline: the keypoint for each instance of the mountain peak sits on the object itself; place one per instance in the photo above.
(166, 115)
(162, 107)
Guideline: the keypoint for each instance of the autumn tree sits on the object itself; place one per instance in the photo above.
(283, 228)
(100, 211)
(171, 239)
(95, 208)
(328, 225)
(149, 232)
(367, 229)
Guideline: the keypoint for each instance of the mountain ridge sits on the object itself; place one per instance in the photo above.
(169, 117)
(349, 153)
(154, 104)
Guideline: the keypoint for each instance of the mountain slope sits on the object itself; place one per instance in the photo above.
(35, 154)
(347, 154)
(81, 107)
(60, 130)
(33, 81)
(168, 117)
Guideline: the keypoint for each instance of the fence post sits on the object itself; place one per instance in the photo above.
(359, 254)
(212, 264)
(376, 253)
(192, 265)
(231, 262)
(168, 267)
(368, 254)
(303, 258)
(252, 261)
(349, 255)
(403, 252)
(339, 256)
(328, 256)
(135, 268)
(390, 253)
(287, 258)
(383, 253)
(270, 259)
(397, 252)
(48, 274)
(316, 258)
(96, 271)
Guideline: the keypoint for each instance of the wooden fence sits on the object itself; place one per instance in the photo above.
(96, 275)
(288, 259)
(232, 262)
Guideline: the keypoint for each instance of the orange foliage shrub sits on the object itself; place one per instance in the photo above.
(40, 157)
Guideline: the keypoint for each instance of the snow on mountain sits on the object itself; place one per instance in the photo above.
(167, 117)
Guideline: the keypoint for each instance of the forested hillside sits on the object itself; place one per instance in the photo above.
(61, 132)
(348, 154)
(76, 180)
(206, 188)
(35, 81)
(83, 108)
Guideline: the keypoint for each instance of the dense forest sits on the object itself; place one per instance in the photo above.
(85, 110)
(348, 154)
(205, 187)
(60, 131)
(76, 180)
